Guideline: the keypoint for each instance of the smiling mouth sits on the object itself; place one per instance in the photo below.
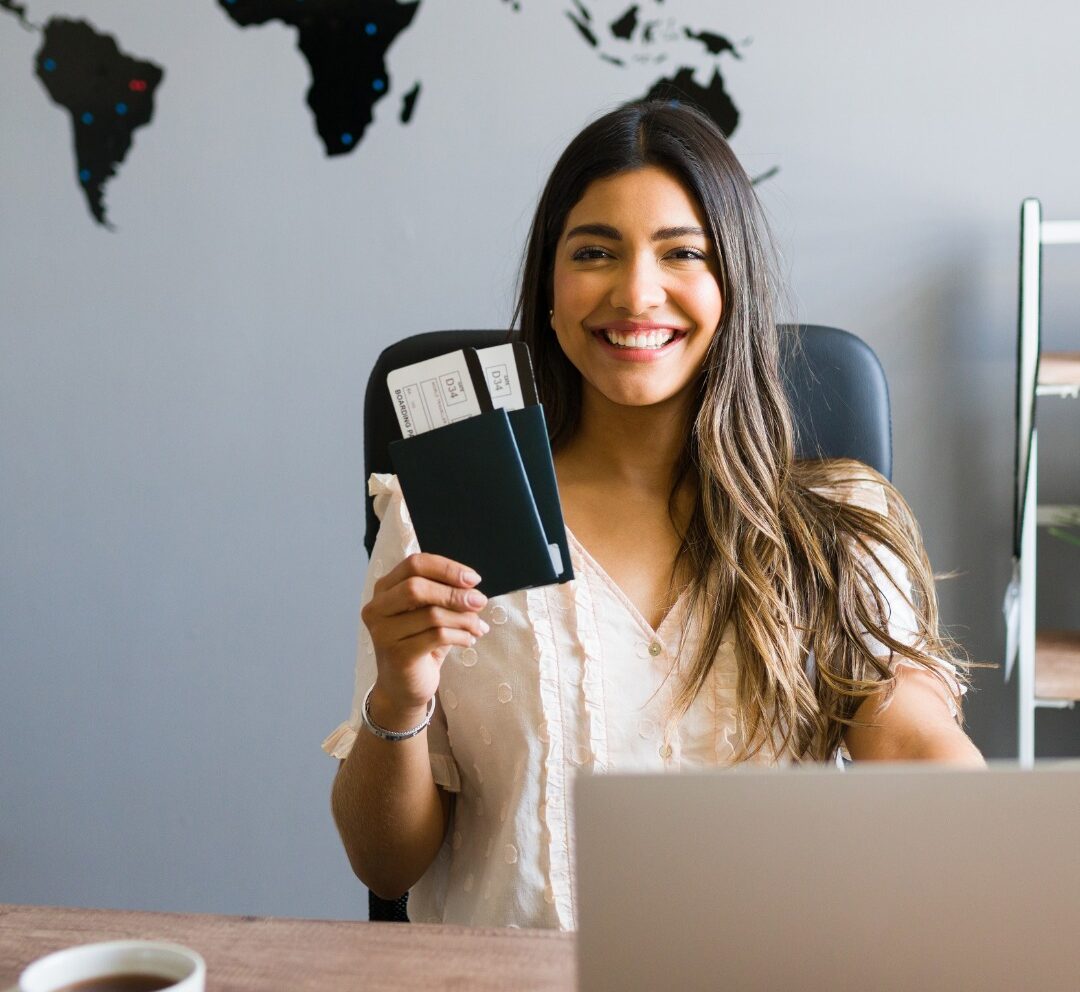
(652, 340)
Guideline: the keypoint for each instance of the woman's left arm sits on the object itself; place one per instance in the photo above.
(915, 724)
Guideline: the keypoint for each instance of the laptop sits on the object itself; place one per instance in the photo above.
(872, 879)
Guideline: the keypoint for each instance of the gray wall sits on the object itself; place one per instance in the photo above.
(181, 474)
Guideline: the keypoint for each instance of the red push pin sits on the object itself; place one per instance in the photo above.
(137, 85)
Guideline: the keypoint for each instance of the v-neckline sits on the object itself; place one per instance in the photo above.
(614, 586)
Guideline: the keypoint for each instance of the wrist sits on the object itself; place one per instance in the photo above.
(390, 715)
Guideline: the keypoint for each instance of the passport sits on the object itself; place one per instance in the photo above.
(482, 490)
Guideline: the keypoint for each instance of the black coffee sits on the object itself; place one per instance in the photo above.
(132, 982)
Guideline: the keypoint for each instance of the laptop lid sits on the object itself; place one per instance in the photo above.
(897, 878)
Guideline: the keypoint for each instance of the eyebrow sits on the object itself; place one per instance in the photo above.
(612, 234)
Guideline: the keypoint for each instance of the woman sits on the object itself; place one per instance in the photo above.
(730, 604)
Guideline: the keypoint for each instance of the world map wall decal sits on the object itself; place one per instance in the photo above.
(109, 93)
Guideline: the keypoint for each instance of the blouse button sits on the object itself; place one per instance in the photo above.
(498, 614)
(665, 751)
(655, 648)
(469, 657)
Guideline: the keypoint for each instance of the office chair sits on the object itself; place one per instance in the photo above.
(834, 382)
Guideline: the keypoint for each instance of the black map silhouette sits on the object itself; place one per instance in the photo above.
(107, 93)
(631, 37)
(345, 44)
(18, 9)
(713, 99)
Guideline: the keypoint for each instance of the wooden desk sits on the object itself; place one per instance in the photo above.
(262, 954)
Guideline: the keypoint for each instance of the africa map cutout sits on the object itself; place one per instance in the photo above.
(345, 45)
(109, 93)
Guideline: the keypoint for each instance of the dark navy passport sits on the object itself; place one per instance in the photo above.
(482, 491)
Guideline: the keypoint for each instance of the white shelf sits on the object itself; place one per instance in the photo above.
(1060, 232)
(1057, 665)
(1047, 661)
(1059, 374)
(1057, 515)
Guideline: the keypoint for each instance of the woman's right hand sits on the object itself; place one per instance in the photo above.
(419, 610)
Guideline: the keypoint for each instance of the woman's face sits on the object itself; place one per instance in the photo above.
(636, 292)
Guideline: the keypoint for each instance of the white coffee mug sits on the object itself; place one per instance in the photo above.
(180, 965)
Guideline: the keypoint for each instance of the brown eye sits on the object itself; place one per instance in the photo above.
(689, 254)
(589, 254)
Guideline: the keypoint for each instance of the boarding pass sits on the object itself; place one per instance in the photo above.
(461, 384)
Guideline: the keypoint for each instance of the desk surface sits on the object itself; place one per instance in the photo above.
(260, 954)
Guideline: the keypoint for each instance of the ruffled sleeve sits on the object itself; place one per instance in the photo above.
(891, 578)
(894, 582)
(395, 541)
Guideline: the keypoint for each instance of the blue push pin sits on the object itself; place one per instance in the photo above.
(88, 118)
(346, 138)
(371, 28)
(121, 109)
(84, 175)
(378, 85)
(49, 65)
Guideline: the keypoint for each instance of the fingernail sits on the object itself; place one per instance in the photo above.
(484, 627)
(469, 576)
(472, 640)
(475, 598)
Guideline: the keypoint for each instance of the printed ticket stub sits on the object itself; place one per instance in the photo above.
(438, 392)
(508, 373)
(461, 384)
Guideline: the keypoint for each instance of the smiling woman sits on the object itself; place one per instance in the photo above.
(636, 300)
(731, 604)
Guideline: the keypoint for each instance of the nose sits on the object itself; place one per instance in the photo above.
(638, 286)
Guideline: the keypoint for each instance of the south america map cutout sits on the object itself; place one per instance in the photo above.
(108, 94)
(345, 44)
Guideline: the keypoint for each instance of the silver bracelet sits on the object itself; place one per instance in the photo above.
(393, 735)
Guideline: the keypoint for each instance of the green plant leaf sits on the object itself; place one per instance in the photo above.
(1064, 535)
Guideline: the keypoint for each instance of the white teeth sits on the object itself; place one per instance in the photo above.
(650, 341)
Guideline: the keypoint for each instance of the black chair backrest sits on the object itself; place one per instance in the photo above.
(834, 382)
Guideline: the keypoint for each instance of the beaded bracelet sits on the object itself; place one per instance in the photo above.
(393, 735)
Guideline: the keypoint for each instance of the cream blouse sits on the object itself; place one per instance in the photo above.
(570, 679)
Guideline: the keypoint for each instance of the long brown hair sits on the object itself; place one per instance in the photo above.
(774, 546)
